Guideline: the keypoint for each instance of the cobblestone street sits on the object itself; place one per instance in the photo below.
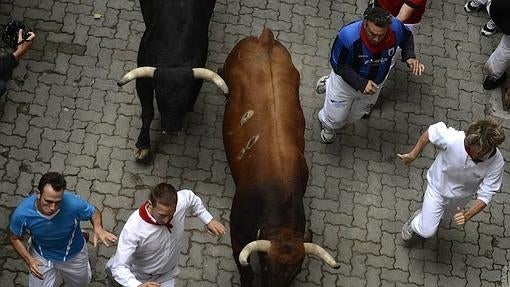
(64, 112)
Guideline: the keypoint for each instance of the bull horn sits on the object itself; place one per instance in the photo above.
(141, 72)
(208, 75)
(254, 246)
(314, 249)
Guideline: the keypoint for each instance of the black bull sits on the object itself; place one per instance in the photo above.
(175, 41)
(263, 131)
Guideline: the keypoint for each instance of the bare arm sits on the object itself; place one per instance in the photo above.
(462, 217)
(422, 142)
(24, 46)
(405, 12)
(33, 264)
(99, 232)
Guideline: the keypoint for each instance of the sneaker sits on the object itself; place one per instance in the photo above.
(490, 83)
(472, 6)
(327, 135)
(489, 29)
(320, 87)
(407, 231)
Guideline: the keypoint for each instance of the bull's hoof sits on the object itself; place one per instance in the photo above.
(141, 153)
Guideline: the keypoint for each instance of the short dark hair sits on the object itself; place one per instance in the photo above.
(163, 193)
(55, 179)
(377, 15)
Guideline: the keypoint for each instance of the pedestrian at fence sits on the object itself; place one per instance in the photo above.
(499, 60)
(9, 61)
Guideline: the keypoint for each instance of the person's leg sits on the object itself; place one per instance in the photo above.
(337, 105)
(497, 63)
(362, 105)
(3, 87)
(426, 223)
(47, 269)
(168, 283)
(76, 271)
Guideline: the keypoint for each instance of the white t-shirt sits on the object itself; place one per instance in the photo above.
(454, 174)
(147, 252)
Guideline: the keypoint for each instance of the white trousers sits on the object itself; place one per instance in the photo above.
(435, 206)
(165, 280)
(75, 272)
(499, 60)
(343, 104)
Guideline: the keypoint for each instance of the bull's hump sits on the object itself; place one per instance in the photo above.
(266, 38)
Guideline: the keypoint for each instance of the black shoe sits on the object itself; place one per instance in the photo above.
(490, 83)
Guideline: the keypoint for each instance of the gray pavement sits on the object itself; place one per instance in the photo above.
(65, 113)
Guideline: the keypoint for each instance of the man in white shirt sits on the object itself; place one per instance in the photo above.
(468, 162)
(149, 245)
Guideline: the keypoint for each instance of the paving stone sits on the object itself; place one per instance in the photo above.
(64, 112)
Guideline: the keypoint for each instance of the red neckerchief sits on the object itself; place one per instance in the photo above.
(468, 151)
(386, 43)
(147, 218)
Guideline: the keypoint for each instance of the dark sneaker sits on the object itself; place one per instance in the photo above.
(490, 83)
(407, 231)
(489, 29)
(320, 87)
(472, 7)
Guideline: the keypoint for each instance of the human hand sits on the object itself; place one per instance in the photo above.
(33, 266)
(23, 44)
(31, 35)
(150, 284)
(371, 88)
(104, 236)
(215, 228)
(459, 217)
(416, 67)
(407, 158)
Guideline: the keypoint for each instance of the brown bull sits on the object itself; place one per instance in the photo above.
(263, 131)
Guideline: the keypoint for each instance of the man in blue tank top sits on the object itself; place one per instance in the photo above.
(361, 61)
(52, 218)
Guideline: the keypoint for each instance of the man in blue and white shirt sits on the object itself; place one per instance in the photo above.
(52, 217)
(468, 163)
(361, 59)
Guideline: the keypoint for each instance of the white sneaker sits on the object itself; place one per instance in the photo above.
(407, 231)
(489, 29)
(473, 6)
(320, 87)
(327, 135)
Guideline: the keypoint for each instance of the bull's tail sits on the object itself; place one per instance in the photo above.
(266, 38)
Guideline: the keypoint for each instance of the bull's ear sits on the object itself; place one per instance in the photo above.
(308, 236)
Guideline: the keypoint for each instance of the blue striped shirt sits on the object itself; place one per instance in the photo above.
(354, 62)
(57, 237)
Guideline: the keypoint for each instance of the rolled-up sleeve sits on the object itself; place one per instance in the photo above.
(491, 183)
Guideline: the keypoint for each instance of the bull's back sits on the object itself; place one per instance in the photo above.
(263, 128)
(176, 32)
